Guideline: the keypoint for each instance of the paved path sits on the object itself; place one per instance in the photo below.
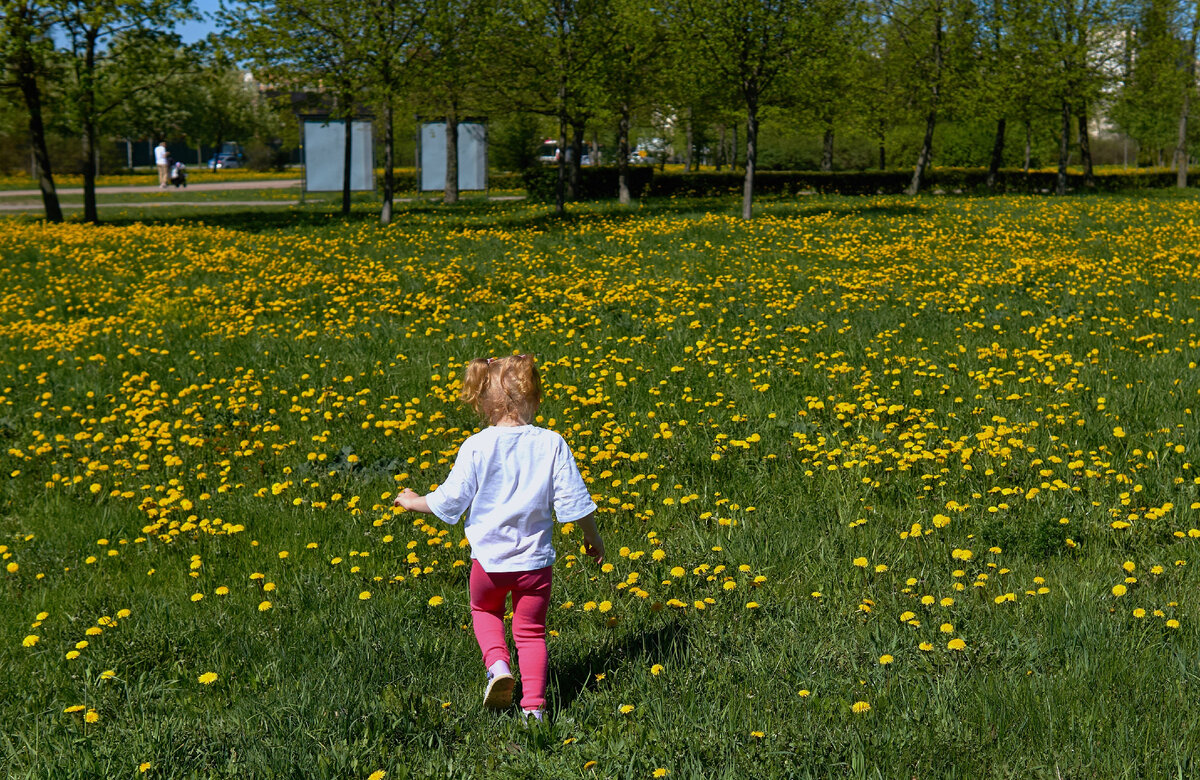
(270, 184)
(151, 204)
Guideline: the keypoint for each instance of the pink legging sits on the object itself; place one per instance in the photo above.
(531, 599)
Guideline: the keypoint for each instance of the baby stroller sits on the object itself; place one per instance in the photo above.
(179, 175)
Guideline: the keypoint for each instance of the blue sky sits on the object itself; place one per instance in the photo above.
(196, 31)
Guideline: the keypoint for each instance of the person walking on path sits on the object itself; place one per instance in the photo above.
(512, 479)
(162, 160)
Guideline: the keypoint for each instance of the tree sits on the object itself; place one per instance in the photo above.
(550, 49)
(386, 53)
(313, 43)
(25, 48)
(221, 104)
(451, 74)
(749, 44)
(92, 27)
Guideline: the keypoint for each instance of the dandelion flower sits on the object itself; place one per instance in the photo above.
(378, 774)
(804, 693)
(885, 659)
(208, 678)
(1119, 590)
(925, 647)
(364, 596)
(656, 670)
(956, 644)
(144, 767)
(660, 772)
(263, 606)
(1172, 623)
(29, 641)
(91, 716)
(108, 674)
(625, 709)
(436, 601)
(859, 707)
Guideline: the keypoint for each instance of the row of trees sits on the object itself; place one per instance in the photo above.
(94, 71)
(871, 66)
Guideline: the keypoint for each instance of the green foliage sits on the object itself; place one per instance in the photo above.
(595, 182)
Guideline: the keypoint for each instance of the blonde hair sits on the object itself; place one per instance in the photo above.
(499, 387)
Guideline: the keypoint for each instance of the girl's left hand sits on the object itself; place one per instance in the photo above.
(404, 497)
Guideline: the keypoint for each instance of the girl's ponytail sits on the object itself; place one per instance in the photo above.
(476, 378)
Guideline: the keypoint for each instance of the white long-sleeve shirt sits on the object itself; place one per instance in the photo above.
(512, 482)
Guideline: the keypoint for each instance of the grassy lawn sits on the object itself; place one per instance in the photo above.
(890, 487)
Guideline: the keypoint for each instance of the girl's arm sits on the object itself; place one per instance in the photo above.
(411, 501)
(591, 537)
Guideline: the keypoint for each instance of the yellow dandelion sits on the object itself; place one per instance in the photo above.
(263, 606)
(859, 707)
(378, 774)
(657, 669)
(364, 596)
(208, 678)
(625, 709)
(885, 659)
(956, 644)
(436, 601)
(29, 641)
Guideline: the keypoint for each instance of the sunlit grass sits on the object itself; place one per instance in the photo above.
(956, 434)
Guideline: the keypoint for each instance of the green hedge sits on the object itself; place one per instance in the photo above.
(599, 183)
(890, 182)
(594, 182)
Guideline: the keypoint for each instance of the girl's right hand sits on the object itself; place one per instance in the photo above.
(594, 548)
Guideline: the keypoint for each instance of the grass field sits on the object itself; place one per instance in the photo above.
(895, 488)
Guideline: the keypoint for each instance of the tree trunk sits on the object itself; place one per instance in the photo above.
(576, 159)
(623, 154)
(690, 140)
(827, 149)
(1028, 143)
(1085, 151)
(1064, 145)
(721, 150)
(733, 147)
(90, 214)
(346, 158)
(560, 188)
(751, 155)
(389, 147)
(997, 154)
(27, 77)
(882, 149)
(930, 118)
(450, 190)
(1189, 86)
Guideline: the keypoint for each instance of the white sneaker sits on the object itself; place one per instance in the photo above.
(537, 714)
(499, 691)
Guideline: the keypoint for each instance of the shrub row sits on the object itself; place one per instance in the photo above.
(597, 183)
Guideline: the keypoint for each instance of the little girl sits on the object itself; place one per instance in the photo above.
(508, 478)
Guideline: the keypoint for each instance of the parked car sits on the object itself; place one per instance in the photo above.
(225, 160)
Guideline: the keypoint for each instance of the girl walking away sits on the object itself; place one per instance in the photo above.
(512, 479)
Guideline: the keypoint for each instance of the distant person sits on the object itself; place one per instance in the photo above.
(163, 160)
(179, 175)
(512, 479)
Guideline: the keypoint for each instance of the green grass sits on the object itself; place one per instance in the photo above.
(779, 398)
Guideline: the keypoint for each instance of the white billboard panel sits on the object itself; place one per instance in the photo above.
(324, 153)
(472, 156)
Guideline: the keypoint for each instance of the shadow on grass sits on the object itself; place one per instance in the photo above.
(578, 674)
(505, 215)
